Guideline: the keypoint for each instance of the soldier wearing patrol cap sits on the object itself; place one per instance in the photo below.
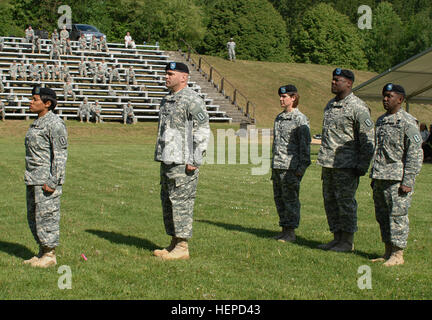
(291, 157)
(183, 135)
(346, 150)
(396, 162)
(46, 156)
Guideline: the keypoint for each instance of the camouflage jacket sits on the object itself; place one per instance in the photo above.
(183, 129)
(46, 151)
(128, 110)
(347, 135)
(291, 141)
(398, 153)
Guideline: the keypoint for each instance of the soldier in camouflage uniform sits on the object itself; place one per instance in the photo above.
(128, 114)
(103, 44)
(92, 66)
(82, 42)
(22, 71)
(2, 110)
(55, 72)
(36, 45)
(13, 71)
(94, 44)
(346, 150)
(291, 157)
(96, 112)
(114, 74)
(82, 67)
(64, 35)
(231, 49)
(68, 90)
(46, 156)
(55, 52)
(68, 47)
(183, 135)
(84, 110)
(397, 160)
(29, 34)
(99, 75)
(130, 76)
(34, 71)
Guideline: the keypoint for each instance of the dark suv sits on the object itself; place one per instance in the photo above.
(88, 31)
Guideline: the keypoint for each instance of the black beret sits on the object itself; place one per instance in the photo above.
(44, 92)
(344, 73)
(177, 66)
(289, 88)
(395, 88)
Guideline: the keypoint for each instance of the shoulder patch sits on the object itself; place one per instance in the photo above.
(198, 113)
(414, 135)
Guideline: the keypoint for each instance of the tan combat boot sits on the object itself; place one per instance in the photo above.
(387, 253)
(396, 257)
(48, 258)
(35, 258)
(288, 236)
(337, 237)
(161, 252)
(346, 244)
(180, 251)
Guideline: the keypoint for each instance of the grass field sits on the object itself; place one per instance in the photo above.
(111, 212)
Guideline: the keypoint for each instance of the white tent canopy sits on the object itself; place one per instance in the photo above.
(414, 74)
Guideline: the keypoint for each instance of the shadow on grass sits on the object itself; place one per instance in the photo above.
(119, 238)
(268, 234)
(16, 249)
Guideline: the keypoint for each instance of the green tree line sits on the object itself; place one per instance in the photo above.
(305, 31)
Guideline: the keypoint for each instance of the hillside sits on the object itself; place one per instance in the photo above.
(259, 81)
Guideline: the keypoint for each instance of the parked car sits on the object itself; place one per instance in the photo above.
(86, 29)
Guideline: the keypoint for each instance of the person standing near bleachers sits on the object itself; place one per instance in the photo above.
(29, 34)
(13, 70)
(231, 49)
(128, 114)
(46, 155)
(68, 90)
(182, 139)
(130, 76)
(82, 42)
(22, 71)
(84, 110)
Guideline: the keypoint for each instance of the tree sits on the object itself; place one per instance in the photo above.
(382, 42)
(257, 28)
(326, 36)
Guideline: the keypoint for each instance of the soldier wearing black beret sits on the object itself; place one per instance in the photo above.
(46, 156)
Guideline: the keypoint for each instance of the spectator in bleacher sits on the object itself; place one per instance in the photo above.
(55, 72)
(96, 112)
(104, 66)
(128, 114)
(103, 44)
(99, 75)
(94, 44)
(68, 50)
(64, 35)
(84, 110)
(92, 66)
(29, 34)
(111, 92)
(34, 72)
(128, 40)
(68, 90)
(130, 76)
(231, 49)
(114, 74)
(36, 45)
(54, 36)
(22, 71)
(82, 42)
(13, 71)
(46, 72)
(55, 52)
(65, 73)
(82, 68)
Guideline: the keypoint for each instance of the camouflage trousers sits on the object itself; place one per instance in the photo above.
(286, 188)
(391, 211)
(339, 188)
(178, 191)
(43, 215)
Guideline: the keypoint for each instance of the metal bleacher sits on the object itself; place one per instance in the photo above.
(148, 63)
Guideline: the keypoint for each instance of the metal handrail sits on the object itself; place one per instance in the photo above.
(221, 83)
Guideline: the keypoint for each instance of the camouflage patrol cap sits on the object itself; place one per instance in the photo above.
(177, 66)
(348, 74)
(289, 88)
(395, 88)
